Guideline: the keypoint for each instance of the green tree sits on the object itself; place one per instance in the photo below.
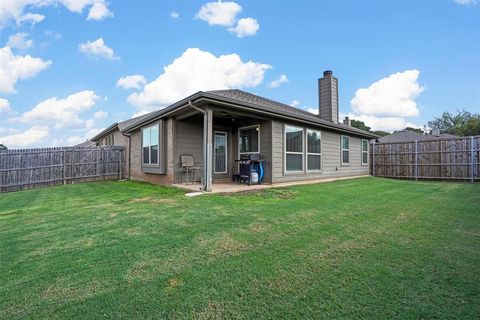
(461, 124)
(360, 125)
(417, 130)
(381, 133)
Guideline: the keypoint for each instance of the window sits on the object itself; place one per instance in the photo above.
(249, 139)
(150, 145)
(109, 140)
(314, 150)
(364, 151)
(345, 150)
(293, 149)
(220, 151)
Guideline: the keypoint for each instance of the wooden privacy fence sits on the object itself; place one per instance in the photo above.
(40, 167)
(452, 159)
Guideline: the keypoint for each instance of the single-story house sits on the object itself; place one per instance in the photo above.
(410, 136)
(218, 127)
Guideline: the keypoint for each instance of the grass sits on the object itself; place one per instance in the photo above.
(366, 248)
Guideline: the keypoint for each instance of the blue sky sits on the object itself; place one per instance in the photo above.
(398, 62)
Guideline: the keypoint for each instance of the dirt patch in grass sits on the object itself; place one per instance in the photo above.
(227, 245)
(257, 228)
(211, 311)
(64, 290)
(154, 200)
(174, 282)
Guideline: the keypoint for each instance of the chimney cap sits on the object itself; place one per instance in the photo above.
(327, 73)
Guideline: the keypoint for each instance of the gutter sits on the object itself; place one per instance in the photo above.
(129, 153)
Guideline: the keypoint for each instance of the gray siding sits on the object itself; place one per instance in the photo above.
(188, 140)
(331, 157)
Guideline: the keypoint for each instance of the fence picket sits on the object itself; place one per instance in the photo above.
(449, 159)
(39, 167)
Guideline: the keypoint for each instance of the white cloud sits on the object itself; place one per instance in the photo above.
(278, 82)
(393, 96)
(219, 13)
(17, 67)
(76, 139)
(174, 15)
(19, 11)
(99, 11)
(30, 137)
(245, 27)
(197, 70)
(19, 41)
(312, 110)
(295, 103)
(99, 115)
(131, 82)
(62, 113)
(465, 2)
(5, 106)
(386, 103)
(97, 48)
(382, 123)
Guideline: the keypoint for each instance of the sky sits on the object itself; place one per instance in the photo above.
(69, 68)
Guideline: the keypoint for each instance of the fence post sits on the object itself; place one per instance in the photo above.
(373, 158)
(416, 160)
(103, 162)
(120, 164)
(472, 167)
(64, 167)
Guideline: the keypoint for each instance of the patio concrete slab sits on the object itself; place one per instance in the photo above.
(242, 187)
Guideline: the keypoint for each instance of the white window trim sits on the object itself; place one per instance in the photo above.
(244, 128)
(215, 153)
(341, 150)
(362, 151)
(290, 152)
(314, 153)
(150, 146)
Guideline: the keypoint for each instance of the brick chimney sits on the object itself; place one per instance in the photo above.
(328, 97)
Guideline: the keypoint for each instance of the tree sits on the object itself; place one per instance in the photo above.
(381, 133)
(417, 130)
(462, 124)
(360, 125)
(3, 147)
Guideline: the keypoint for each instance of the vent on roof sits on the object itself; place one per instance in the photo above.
(328, 97)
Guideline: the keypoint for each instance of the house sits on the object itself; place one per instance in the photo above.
(85, 144)
(218, 127)
(410, 136)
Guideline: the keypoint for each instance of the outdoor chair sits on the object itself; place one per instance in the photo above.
(188, 166)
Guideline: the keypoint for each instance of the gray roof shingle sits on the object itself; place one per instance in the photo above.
(409, 136)
(242, 98)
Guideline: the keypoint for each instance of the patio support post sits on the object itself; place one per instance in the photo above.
(207, 137)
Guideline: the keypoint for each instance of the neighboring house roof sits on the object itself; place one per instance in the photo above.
(120, 126)
(85, 144)
(409, 136)
(254, 102)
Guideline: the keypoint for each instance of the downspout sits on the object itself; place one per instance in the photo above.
(204, 148)
(129, 153)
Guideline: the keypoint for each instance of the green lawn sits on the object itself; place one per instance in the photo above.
(365, 248)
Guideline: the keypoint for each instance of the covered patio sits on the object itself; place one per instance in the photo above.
(214, 137)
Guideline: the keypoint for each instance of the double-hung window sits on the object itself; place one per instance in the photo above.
(150, 145)
(293, 149)
(364, 151)
(345, 149)
(314, 150)
(249, 139)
